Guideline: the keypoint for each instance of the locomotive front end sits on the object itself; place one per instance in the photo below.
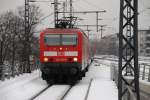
(60, 56)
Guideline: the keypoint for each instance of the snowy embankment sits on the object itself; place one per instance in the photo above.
(102, 87)
(25, 86)
(21, 87)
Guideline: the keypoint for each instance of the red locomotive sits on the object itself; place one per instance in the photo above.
(64, 54)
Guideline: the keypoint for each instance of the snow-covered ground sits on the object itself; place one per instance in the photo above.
(25, 86)
(102, 86)
(53, 93)
(144, 65)
(21, 87)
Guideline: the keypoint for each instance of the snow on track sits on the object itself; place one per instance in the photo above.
(53, 93)
(101, 87)
(24, 88)
(24, 92)
(77, 92)
(39, 93)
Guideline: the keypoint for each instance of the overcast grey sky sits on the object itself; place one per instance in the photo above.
(111, 18)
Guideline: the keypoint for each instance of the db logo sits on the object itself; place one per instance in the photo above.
(60, 53)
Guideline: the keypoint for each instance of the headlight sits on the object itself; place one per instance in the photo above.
(45, 59)
(75, 59)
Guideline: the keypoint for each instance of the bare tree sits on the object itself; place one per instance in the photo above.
(34, 16)
(5, 34)
(13, 42)
(15, 25)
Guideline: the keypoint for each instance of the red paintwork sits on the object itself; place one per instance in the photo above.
(82, 46)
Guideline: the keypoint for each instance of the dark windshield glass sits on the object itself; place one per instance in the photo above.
(69, 39)
(60, 39)
(52, 39)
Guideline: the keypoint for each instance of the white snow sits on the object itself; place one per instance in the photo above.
(53, 93)
(25, 86)
(102, 87)
(12, 80)
(24, 92)
(22, 87)
(78, 92)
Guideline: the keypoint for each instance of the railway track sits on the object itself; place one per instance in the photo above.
(87, 93)
(45, 89)
(62, 98)
(39, 93)
(63, 95)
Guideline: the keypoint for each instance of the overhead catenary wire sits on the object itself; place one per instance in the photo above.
(50, 13)
(46, 17)
(53, 14)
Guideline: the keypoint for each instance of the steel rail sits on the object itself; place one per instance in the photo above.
(39, 93)
(62, 98)
(88, 91)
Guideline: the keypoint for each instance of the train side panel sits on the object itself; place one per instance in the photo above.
(85, 52)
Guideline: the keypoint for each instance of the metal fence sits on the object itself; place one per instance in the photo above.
(144, 71)
(144, 74)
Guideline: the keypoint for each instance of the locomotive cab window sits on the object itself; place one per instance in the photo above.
(70, 39)
(60, 39)
(52, 39)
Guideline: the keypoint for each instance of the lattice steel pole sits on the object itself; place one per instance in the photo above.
(27, 44)
(56, 13)
(129, 38)
(71, 14)
(128, 48)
